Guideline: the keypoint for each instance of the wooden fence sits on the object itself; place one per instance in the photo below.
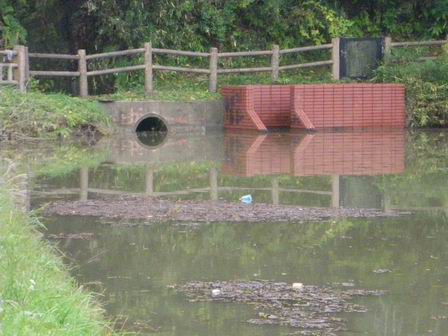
(18, 72)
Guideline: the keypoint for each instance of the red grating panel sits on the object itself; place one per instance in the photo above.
(315, 106)
(374, 152)
(349, 105)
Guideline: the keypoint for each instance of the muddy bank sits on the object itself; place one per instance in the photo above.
(311, 309)
(156, 210)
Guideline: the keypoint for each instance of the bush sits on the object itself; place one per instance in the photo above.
(426, 86)
(41, 115)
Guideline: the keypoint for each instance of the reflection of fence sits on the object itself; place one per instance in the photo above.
(213, 189)
(248, 155)
(148, 52)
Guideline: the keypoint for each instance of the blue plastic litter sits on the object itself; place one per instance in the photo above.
(246, 199)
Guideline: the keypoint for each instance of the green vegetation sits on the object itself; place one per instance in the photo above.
(37, 296)
(425, 82)
(228, 25)
(171, 87)
(42, 115)
(200, 24)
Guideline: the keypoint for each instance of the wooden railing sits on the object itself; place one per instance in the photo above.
(149, 67)
(18, 70)
(389, 44)
(11, 71)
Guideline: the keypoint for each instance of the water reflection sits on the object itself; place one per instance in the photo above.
(134, 265)
(277, 158)
(152, 139)
(361, 152)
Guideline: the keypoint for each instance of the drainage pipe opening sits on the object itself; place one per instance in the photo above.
(151, 131)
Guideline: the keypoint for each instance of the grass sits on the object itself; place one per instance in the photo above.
(36, 114)
(187, 88)
(37, 295)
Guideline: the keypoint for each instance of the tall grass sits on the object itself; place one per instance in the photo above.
(37, 295)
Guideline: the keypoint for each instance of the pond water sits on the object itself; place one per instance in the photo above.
(133, 264)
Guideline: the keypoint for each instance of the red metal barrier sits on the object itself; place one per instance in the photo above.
(361, 152)
(314, 106)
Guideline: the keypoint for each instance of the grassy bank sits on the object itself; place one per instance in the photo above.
(37, 114)
(37, 296)
(425, 81)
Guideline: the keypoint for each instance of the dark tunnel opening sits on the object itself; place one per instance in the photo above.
(151, 131)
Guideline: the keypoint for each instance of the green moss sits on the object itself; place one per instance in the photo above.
(47, 115)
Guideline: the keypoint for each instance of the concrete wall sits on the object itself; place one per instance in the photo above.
(180, 117)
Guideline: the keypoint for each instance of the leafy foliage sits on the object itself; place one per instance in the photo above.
(12, 32)
(426, 86)
(100, 25)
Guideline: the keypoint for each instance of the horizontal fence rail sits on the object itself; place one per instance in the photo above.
(14, 69)
(54, 56)
(317, 47)
(418, 43)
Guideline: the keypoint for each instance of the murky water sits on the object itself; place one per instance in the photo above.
(133, 265)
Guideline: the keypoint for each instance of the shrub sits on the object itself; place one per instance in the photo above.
(426, 86)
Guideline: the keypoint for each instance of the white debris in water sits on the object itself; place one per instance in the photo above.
(216, 292)
(297, 285)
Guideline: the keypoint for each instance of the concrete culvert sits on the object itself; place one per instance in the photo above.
(151, 131)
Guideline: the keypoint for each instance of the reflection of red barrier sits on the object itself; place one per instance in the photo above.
(314, 106)
(343, 153)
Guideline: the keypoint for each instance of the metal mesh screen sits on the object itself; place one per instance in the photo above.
(360, 57)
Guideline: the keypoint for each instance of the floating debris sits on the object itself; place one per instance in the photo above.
(216, 292)
(382, 271)
(297, 285)
(311, 309)
(153, 210)
(82, 236)
(246, 199)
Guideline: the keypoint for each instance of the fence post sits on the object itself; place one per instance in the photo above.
(82, 68)
(20, 71)
(275, 62)
(27, 64)
(213, 177)
(83, 183)
(387, 45)
(335, 57)
(148, 68)
(213, 80)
